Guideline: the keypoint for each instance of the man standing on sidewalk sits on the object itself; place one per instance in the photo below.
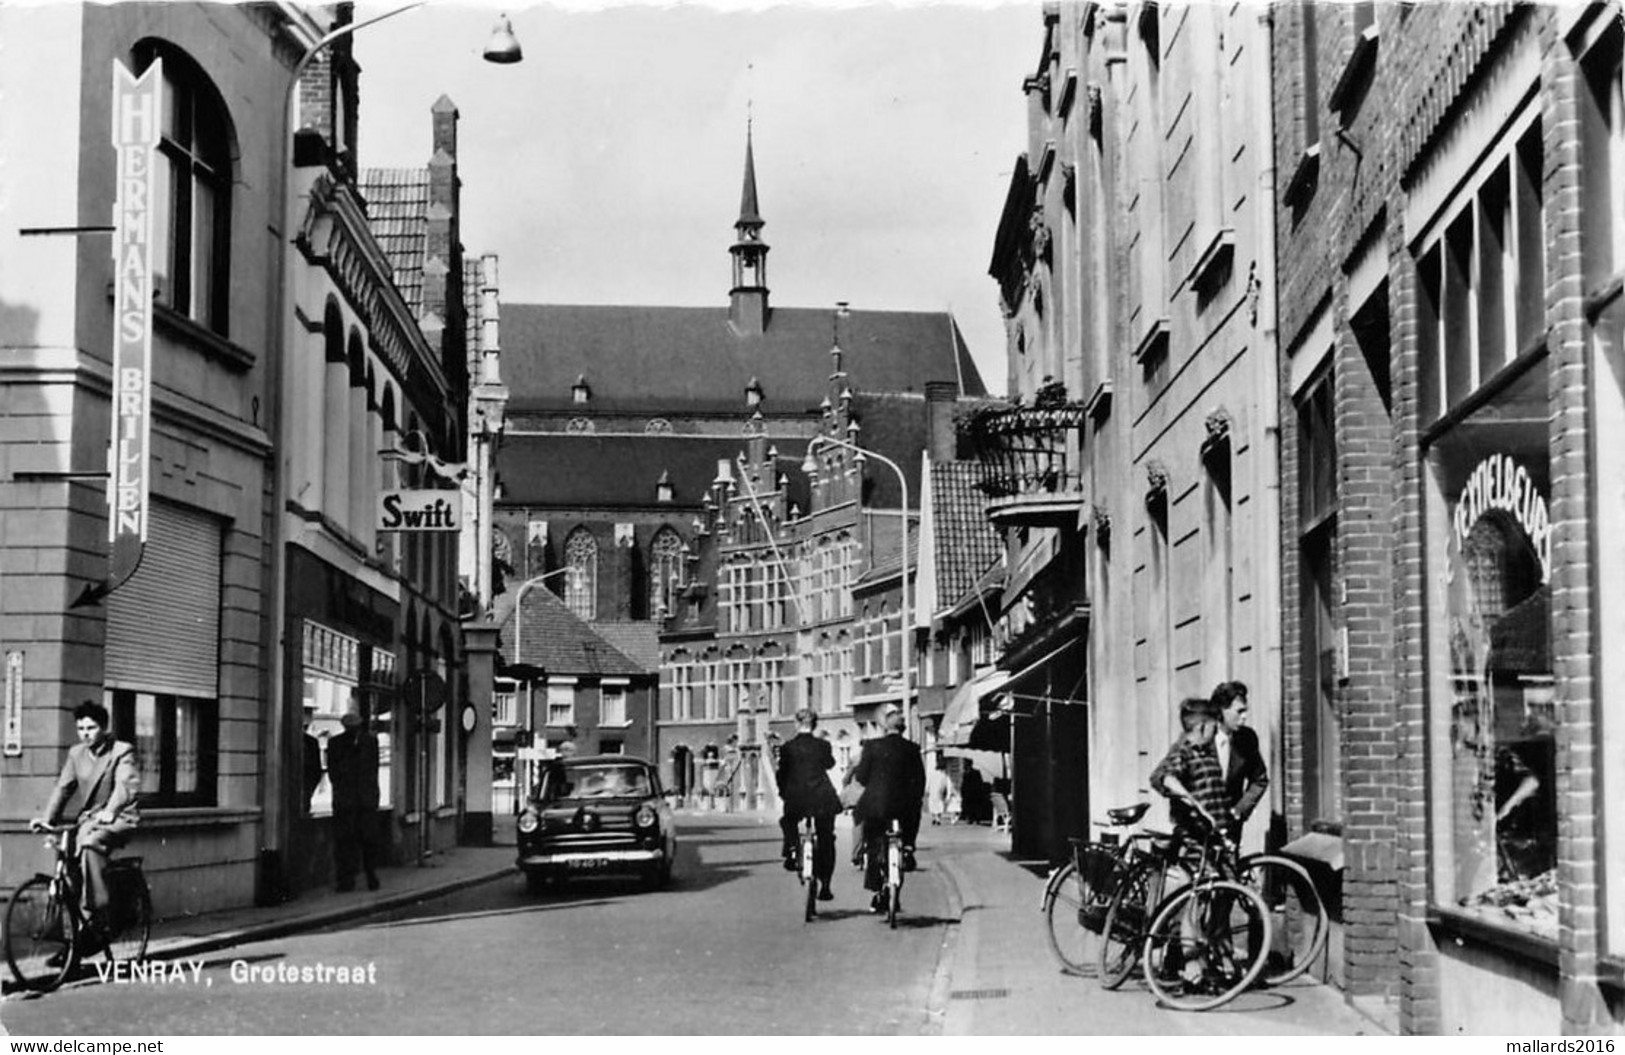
(352, 769)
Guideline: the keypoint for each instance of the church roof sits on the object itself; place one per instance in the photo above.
(397, 207)
(674, 360)
(563, 470)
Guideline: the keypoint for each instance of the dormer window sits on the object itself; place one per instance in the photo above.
(753, 393)
(663, 488)
(581, 392)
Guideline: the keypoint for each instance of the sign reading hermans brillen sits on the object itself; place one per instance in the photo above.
(136, 102)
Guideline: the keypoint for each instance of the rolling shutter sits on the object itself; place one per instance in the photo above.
(163, 625)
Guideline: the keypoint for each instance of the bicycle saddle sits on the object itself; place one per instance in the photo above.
(1124, 816)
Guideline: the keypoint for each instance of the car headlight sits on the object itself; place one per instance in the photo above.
(646, 817)
(529, 821)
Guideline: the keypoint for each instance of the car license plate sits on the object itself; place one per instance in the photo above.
(588, 864)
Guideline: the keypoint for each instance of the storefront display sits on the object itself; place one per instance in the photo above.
(1491, 473)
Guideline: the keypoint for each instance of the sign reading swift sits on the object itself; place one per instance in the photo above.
(136, 103)
(420, 511)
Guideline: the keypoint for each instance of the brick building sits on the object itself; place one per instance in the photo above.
(1450, 229)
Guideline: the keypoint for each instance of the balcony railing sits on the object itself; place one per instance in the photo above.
(1026, 469)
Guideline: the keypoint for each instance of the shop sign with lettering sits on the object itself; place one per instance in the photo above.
(420, 511)
(136, 102)
(1500, 483)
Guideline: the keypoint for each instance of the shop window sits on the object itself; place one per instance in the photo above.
(175, 745)
(192, 197)
(1482, 279)
(1492, 694)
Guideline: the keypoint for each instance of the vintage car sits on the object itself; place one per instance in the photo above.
(597, 815)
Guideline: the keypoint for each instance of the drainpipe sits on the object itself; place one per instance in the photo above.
(1268, 474)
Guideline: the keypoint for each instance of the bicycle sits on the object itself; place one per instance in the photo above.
(1209, 940)
(891, 889)
(1301, 924)
(46, 934)
(1079, 893)
(804, 869)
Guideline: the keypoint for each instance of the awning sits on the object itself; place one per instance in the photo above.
(1041, 661)
(965, 707)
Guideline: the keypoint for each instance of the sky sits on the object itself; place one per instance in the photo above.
(606, 167)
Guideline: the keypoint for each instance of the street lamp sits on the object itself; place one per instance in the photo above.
(518, 657)
(810, 465)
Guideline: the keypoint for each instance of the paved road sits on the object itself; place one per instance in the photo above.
(723, 950)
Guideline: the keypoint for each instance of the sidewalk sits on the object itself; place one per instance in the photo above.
(998, 976)
(402, 885)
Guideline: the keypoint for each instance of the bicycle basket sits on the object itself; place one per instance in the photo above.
(1097, 866)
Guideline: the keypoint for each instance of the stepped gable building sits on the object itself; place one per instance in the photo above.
(1452, 238)
(621, 418)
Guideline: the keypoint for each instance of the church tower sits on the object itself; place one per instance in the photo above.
(747, 301)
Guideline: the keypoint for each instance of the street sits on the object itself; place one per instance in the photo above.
(723, 950)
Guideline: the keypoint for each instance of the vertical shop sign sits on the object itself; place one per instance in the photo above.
(14, 705)
(136, 103)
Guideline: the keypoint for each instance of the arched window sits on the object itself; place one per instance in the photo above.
(192, 197)
(665, 572)
(581, 585)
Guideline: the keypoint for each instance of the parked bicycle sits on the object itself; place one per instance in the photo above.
(47, 934)
(1200, 946)
(1079, 893)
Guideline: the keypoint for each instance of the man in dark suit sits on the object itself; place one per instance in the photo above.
(893, 778)
(803, 775)
(1246, 777)
(352, 769)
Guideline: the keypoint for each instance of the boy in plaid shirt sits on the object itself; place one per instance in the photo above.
(1191, 772)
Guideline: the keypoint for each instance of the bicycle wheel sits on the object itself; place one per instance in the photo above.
(1300, 925)
(1123, 933)
(39, 936)
(132, 922)
(1206, 945)
(1068, 899)
(894, 882)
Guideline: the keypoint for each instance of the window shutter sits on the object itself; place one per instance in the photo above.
(163, 625)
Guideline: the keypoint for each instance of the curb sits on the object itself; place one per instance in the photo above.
(175, 948)
(936, 1007)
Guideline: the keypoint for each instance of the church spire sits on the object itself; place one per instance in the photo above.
(747, 307)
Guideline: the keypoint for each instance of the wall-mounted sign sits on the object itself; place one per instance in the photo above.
(14, 704)
(135, 135)
(420, 511)
(1500, 483)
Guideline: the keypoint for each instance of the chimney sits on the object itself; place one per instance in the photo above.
(941, 397)
(443, 311)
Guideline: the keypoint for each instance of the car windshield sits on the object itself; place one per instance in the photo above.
(609, 780)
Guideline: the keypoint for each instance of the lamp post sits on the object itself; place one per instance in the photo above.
(810, 465)
(518, 656)
(502, 49)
